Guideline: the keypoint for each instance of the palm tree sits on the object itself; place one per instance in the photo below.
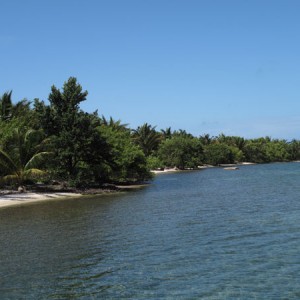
(21, 108)
(24, 157)
(147, 138)
(166, 133)
(8, 110)
(6, 106)
(115, 125)
(182, 133)
(206, 139)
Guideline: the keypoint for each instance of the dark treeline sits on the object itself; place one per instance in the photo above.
(59, 141)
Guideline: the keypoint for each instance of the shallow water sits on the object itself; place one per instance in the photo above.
(210, 234)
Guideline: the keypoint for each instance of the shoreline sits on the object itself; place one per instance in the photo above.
(203, 167)
(11, 198)
(170, 170)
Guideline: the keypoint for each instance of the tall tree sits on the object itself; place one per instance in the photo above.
(147, 138)
(65, 105)
(77, 138)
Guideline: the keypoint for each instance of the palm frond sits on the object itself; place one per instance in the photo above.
(37, 159)
(7, 163)
(34, 173)
(12, 178)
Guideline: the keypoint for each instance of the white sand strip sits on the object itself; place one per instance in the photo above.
(171, 170)
(20, 198)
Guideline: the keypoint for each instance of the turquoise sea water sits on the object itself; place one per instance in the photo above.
(210, 234)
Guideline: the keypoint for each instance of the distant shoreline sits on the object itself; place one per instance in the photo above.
(173, 170)
(10, 198)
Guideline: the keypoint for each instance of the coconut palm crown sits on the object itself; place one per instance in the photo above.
(23, 156)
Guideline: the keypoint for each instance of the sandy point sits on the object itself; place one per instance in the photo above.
(30, 197)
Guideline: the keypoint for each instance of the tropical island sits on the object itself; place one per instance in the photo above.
(58, 147)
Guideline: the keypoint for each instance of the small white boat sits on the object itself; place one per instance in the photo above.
(231, 168)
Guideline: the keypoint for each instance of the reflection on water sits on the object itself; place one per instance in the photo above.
(212, 234)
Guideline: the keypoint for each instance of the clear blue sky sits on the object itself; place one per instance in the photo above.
(205, 66)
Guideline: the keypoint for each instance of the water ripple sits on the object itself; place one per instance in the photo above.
(194, 235)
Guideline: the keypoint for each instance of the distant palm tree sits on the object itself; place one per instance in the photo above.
(115, 125)
(21, 108)
(6, 106)
(166, 133)
(147, 138)
(8, 110)
(206, 139)
(24, 157)
(182, 133)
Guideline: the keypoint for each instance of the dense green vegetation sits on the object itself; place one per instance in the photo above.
(59, 141)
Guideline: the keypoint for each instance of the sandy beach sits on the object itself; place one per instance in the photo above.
(30, 197)
(8, 198)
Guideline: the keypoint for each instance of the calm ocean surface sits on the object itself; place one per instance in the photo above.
(210, 234)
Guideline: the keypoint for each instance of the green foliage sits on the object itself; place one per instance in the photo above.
(6, 106)
(206, 139)
(238, 155)
(277, 150)
(45, 118)
(129, 161)
(182, 133)
(67, 101)
(77, 140)
(82, 143)
(234, 141)
(166, 133)
(22, 109)
(7, 129)
(294, 150)
(181, 151)
(154, 163)
(267, 150)
(13, 116)
(147, 138)
(255, 151)
(89, 149)
(24, 156)
(218, 153)
(115, 125)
